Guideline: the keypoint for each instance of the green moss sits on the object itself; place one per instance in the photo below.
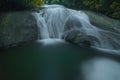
(102, 21)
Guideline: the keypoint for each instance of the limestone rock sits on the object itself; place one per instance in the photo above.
(17, 27)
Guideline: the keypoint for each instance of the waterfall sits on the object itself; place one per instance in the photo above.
(55, 20)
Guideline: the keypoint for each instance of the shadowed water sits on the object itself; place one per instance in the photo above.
(57, 60)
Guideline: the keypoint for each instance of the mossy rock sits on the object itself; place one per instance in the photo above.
(16, 28)
(103, 22)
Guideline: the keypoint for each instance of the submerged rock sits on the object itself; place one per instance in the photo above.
(16, 28)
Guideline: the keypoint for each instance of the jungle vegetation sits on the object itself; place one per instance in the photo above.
(19, 4)
(110, 8)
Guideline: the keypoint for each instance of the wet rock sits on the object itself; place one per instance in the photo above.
(16, 28)
(73, 22)
(80, 38)
(104, 22)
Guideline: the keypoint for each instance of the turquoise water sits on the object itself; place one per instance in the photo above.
(47, 60)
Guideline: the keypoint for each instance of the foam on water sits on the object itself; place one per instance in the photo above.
(101, 69)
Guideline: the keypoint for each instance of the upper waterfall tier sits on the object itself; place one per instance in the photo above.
(56, 21)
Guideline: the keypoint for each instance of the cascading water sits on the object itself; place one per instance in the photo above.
(55, 20)
(43, 33)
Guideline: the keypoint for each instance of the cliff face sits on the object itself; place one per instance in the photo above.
(16, 28)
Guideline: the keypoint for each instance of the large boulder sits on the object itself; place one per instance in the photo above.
(103, 22)
(108, 29)
(16, 28)
(80, 38)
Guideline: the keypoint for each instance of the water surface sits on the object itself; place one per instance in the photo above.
(57, 60)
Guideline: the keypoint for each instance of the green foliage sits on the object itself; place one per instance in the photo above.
(94, 4)
(108, 7)
(19, 4)
(30, 3)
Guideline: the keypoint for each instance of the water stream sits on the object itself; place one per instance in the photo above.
(55, 21)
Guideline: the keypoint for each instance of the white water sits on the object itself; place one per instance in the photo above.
(55, 20)
(101, 69)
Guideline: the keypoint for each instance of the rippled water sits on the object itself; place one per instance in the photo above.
(57, 60)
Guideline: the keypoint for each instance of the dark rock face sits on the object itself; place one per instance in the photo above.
(79, 38)
(16, 28)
